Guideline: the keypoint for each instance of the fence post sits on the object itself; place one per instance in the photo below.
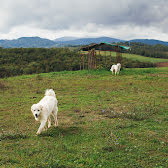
(95, 60)
(83, 61)
(80, 61)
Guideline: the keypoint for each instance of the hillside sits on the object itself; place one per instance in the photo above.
(86, 41)
(27, 42)
(18, 61)
(37, 42)
(104, 121)
(150, 41)
(136, 57)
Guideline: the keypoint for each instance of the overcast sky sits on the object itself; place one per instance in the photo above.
(123, 19)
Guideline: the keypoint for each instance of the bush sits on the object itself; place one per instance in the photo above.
(18, 61)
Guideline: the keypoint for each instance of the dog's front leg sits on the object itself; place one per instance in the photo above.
(42, 125)
(49, 121)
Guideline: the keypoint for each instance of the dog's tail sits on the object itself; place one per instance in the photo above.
(50, 92)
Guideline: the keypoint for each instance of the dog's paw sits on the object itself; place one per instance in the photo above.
(38, 133)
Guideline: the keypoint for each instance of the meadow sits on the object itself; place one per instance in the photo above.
(136, 57)
(104, 121)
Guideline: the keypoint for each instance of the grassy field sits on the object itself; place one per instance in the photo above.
(144, 59)
(104, 121)
(137, 57)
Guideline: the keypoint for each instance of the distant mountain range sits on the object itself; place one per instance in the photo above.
(69, 38)
(150, 41)
(27, 42)
(85, 41)
(31, 42)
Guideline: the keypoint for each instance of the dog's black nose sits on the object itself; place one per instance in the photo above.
(36, 115)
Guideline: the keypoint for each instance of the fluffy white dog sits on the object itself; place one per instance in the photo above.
(43, 110)
(116, 68)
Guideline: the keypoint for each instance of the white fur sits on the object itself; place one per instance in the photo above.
(116, 68)
(45, 108)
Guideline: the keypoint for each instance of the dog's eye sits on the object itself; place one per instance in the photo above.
(38, 110)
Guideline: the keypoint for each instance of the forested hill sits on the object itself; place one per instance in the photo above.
(155, 51)
(150, 41)
(18, 61)
(27, 42)
(37, 42)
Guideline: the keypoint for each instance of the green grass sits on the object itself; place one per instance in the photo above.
(137, 57)
(144, 59)
(104, 121)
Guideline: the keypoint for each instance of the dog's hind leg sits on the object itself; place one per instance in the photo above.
(54, 114)
(49, 122)
(42, 126)
(45, 128)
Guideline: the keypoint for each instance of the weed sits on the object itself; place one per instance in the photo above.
(112, 142)
(135, 112)
(5, 161)
(142, 112)
(3, 86)
(38, 91)
(39, 77)
(12, 136)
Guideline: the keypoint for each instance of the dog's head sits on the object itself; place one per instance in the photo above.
(36, 110)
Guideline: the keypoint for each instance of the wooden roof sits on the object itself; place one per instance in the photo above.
(89, 47)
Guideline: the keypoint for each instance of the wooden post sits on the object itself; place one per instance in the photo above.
(118, 55)
(91, 59)
(80, 61)
(105, 58)
(95, 60)
(83, 61)
(99, 57)
(88, 59)
(110, 57)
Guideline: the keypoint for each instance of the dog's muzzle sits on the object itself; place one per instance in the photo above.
(36, 115)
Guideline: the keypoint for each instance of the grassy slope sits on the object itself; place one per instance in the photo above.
(95, 109)
(138, 57)
(144, 59)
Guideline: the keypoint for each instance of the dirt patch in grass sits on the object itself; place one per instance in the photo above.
(3, 86)
(162, 64)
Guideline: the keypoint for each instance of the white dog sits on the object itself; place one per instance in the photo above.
(119, 67)
(116, 68)
(44, 109)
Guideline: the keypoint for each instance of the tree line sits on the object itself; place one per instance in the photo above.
(18, 61)
(155, 51)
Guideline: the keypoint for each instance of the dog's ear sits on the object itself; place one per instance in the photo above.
(41, 107)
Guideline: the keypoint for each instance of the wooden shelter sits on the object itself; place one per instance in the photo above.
(90, 55)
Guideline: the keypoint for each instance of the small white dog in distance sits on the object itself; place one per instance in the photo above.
(43, 110)
(116, 68)
(119, 67)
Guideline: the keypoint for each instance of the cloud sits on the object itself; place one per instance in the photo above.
(84, 15)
